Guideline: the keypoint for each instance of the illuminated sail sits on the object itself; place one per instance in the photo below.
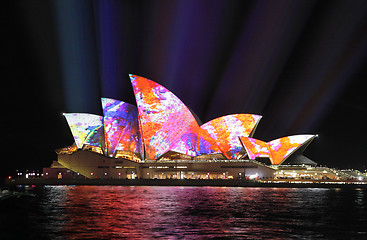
(86, 128)
(277, 150)
(163, 117)
(255, 148)
(121, 126)
(282, 148)
(196, 142)
(226, 130)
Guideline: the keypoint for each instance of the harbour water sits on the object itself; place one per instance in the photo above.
(153, 212)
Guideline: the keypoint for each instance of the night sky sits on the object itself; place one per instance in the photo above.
(299, 64)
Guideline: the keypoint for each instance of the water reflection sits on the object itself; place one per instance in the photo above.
(112, 212)
(203, 212)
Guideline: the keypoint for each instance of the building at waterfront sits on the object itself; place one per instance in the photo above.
(161, 138)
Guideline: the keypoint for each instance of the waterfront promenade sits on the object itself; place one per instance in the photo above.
(288, 183)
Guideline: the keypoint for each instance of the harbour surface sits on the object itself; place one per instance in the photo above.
(183, 212)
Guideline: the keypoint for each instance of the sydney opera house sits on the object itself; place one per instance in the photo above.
(160, 138)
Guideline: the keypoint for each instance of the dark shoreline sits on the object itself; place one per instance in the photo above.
(179, 182)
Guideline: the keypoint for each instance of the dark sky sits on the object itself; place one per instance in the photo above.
(299, 64)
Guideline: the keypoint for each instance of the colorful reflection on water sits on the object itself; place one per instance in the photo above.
(114, 212)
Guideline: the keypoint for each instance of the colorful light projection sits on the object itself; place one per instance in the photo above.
(207, 145)
(283, 147)
(226, 130)
(196, 142)
(187, 144)
(255, 148)
(86, 129)
(277, 150)
(121, 126)
(97, 138)
(163, 117)
(163, 123)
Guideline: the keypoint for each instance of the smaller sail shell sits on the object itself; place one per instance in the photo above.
(86, 129)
